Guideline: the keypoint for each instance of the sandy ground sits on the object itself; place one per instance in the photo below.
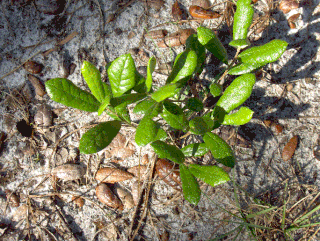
(26, 33)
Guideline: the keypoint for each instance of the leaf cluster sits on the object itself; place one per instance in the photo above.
(172, 102)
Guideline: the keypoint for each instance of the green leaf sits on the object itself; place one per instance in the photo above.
(212, 124)
(123, 112)
(195, 150)
(165, 92)
(122, 74)
(264, 54)
(241, 117)
(244, 68)
(151, 66)
(190, 186)
(143, 106)
(99, 137)
(65, 92)
(112, 113)
(147, 131)
(215, 89)
(140, 86)
(198, 126)
(164, 150)
(220, 150)
(107, 98)
(194, 104)
(127, 99)
(237, 92)
(174, 116)
(161, 135)
(242, 21)
(211, 175)
(211, 42)
(92, 77)
(194, 44)
(183, 68)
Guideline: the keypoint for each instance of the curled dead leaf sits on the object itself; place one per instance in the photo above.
(274, 125)
(201, 13)
(112, 175)
(68, 172)
(156, 34)
(176, 39)
(33, 67)
(37, 85)
(125, 197)
(145, 159)
(292, 25)
(166, 172)
(290, 148)
(288, 5)
(136, 189)
(139, 171)
(105, 195)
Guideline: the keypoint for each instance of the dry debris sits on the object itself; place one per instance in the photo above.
(290, 148)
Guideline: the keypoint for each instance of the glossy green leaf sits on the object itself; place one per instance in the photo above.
(123, 112)
(65, 92)
(127, 99)
(211, 42)
(183, 68)
(92, 77)
(244, 68)
(241, 117)
(174, 116)
(241, 24)
(264, 54)
(211, 175)
(237, 92)
(140, 86)
(151, 66)
(122, 74)
(165, 92)
(99, 137)
(194, 104)
(195, 149)
(220, 150)
(211, 123)
(215, 89)
(198, 126)
(147, 131)
(164, 150)
(112, 113)
(194, 44)
(161, 135)
(107, 98)
(190, 186)
(143, 106)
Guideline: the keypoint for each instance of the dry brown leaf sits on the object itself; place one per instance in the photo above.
(43, 116)
(139, 171)
(145, 159)
(292, 25)
(105, 195)
(78, 201)
(176, 39)
(37, 85)
(166, 172)
(68, 172)
(13, 198)
(125, 197)
(156, 34)
(178, 12)
(288, 5)
(2, 138)
(122, 152)
(33, 67)
(136, 189)
(112, 175)
(201, 13)
(290, 148)
(201, 3)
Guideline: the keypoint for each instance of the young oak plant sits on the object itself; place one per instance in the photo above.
(126, 86)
